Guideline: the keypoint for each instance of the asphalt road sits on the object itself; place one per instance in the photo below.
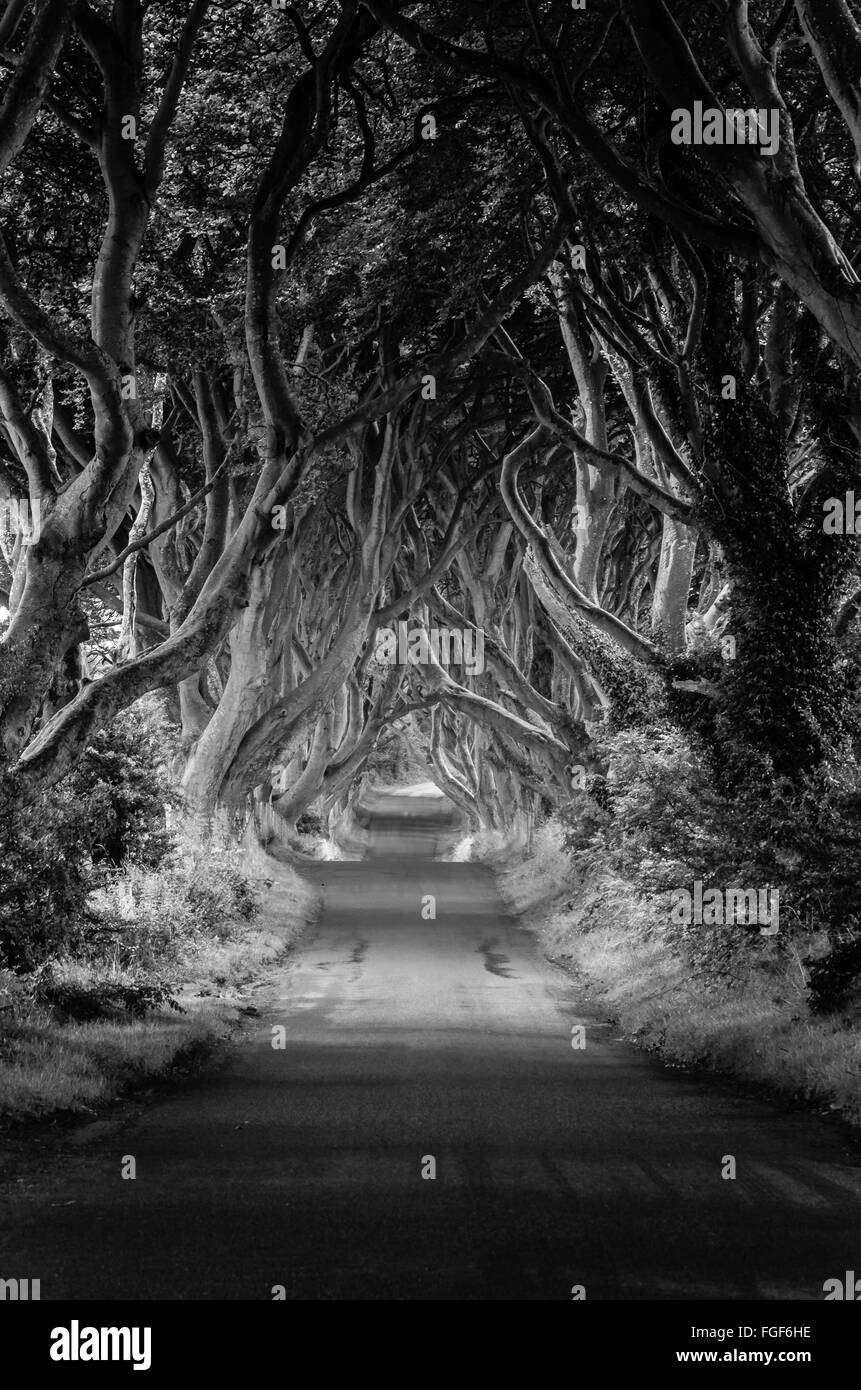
(446, 1038)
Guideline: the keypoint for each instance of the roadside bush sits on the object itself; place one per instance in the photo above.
(47, 874)
(219, 892)
(657, 819)
(122, 782)
(835, 980)
(155, 919)
(57, 844)
(310, 823)
(74, 995)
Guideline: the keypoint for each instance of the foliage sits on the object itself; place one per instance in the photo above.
(660, 818)
(57, 843)
(103, 997)
(121, 781)
(310, 823)
(47, 874)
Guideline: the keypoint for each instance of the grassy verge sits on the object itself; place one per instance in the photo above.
(166, 977)
(753, 1024)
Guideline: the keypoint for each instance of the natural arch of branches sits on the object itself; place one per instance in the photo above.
(324, 319)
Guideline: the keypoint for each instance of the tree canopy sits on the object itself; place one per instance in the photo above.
(322, 319)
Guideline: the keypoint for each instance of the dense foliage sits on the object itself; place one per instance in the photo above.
(57, 847)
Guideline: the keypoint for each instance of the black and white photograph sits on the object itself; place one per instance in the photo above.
(430, 672)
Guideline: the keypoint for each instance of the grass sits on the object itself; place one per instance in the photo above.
(755, 1025)
(199, 952)
(77, 1066)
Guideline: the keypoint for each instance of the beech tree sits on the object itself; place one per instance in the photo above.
(258, 432)
(701, 279)
(384, 313)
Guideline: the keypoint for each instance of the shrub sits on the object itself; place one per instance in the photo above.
(85, 1000)
(834, 980)
(154, 919)
(122, 782)
(310, 823)
(47, 874)
(658, 818)
(57, 844)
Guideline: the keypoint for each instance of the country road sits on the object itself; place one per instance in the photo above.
(411, 1039)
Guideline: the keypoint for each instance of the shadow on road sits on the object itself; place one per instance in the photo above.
(408, 1119)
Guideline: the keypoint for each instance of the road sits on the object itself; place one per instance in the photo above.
(411, 1038)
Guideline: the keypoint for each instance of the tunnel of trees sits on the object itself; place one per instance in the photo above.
(322, 322)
